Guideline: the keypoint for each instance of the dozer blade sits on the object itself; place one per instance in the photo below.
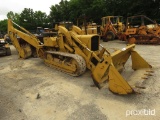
(110, 68)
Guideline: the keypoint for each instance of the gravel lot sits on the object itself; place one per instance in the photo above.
(29, 90)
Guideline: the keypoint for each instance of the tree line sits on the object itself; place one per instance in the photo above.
(91, 10)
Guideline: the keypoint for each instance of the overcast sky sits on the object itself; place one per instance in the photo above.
(18, 5)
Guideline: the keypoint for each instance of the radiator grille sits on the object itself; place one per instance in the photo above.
(95, 43)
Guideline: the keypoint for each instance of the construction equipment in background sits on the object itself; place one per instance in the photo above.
(142, 30)
(7, 39)
(45, 32)
(39, 30)
(4, 47)
(42, 32)
(87, 27)
(72, 53)
(111, 27)
(90, 28)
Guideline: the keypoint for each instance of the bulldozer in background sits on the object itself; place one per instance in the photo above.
(73, 53)
(141, 30)
(111, 27)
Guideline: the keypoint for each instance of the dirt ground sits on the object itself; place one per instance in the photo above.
(29, 90)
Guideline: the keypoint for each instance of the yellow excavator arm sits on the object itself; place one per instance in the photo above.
(24, 48)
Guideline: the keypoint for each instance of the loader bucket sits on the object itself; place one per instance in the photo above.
(113, 65)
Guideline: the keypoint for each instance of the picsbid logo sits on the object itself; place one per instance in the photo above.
(141, 112)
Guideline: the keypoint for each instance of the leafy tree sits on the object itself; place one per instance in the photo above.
(55, 13)
(27, 18)
(92, 10)
(75, 10)
(11, 15)
(60, 12)
(30, 19)
(41, 19)
(3, 26)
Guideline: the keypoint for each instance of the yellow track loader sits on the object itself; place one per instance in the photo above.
(72, 53)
